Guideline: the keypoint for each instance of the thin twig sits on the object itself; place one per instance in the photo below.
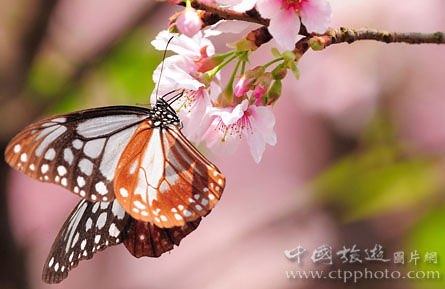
(332, 36)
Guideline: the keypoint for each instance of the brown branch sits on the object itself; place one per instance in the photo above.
(227, 14)
(346, 35)
(332, 36)
(341, 35)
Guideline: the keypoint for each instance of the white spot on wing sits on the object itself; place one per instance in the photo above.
(95, 207)
(61, 170)
(77, 144)
(93, 148)
(117, 210)
(86, 166)
(80, 181)
(17, 148)
(113, 231)
(101, 188)
(50, 154)
(101, 220)
(24, 157)
(139, 205)
(68, 156)
(123, 192)
(44, 168)
(88, 224)
(83, 244)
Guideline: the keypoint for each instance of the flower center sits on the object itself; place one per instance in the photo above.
(243, 124)
(292, 4)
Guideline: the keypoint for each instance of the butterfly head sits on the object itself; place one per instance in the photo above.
(164, 115)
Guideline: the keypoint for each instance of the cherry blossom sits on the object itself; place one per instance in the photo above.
(231, 124)
(285, 16)
(182, 72)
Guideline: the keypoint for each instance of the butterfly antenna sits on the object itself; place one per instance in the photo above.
(176, 97)
(162, 66)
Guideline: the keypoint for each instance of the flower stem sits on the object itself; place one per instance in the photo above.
(273, 61)
(211, 73)
(224, 55)
(228, 91)
(243, 67)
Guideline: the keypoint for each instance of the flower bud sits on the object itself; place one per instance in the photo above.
(189, 22)
(261, 85)
(206, 63)
(244, 84)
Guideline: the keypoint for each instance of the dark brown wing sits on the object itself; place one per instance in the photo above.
(91, 227)
(146, 239)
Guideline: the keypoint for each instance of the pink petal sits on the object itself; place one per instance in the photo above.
(244, 5)
(269, 8)
(231, 115)
(182, 44)
(263, 120)
(284, 28)
(256, 144)
(218, 142)
(197, 120)
(316, 15)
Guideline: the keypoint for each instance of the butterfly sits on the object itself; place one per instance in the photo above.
(127, 156)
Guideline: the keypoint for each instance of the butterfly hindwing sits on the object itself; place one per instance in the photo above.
(95, 226)
(91, 227)
(78, 151)
(146, 239)
(161, 178)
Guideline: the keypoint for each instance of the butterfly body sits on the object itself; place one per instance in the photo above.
(142, 182)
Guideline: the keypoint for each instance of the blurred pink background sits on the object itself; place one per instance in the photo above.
(269, 207)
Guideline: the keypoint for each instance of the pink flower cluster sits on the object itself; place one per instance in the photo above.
(204, 117)
(223, 117)
(285, 17)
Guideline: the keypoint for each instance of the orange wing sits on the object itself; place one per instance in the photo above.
(161, 178)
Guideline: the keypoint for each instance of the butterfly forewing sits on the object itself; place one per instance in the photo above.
(162, 178)
(78, 151)
(91, 227)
